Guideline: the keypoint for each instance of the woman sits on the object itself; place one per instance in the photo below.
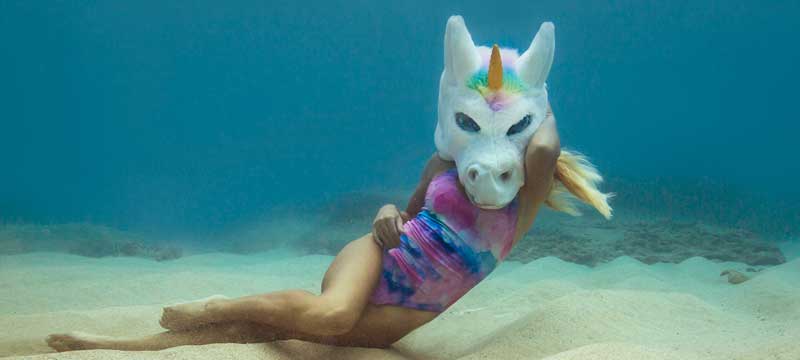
(368, 298)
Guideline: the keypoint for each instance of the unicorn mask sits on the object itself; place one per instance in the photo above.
(491, 101)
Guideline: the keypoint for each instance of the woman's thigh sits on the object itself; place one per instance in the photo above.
(354, 273)
(379, 326)
(382, 325)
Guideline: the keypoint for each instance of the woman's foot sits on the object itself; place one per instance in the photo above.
(189, 315)
(76, 341)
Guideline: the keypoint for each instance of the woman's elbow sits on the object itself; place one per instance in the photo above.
(542, 155)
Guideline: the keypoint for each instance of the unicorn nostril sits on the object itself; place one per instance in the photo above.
(473, 174)
(505, 176)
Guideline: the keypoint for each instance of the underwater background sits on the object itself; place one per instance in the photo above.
(158, 152)
(189, 121)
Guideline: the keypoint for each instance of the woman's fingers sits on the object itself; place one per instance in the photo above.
(387, 231)
(387, 227)
(389, 234)
(392, 236)
(376, 237)
(398, 225)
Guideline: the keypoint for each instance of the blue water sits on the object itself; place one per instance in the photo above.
(192, 117)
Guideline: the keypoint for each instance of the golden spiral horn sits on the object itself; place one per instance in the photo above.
(495, 69)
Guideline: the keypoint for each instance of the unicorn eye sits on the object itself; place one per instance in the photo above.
(466, 123)
(519, 126)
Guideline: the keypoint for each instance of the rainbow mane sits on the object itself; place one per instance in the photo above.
(512, 86)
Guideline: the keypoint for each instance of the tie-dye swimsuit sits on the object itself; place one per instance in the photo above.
(447, 249)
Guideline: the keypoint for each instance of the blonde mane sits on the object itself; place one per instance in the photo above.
(576, 176)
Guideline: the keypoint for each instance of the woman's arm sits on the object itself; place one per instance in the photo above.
(388, 224)
(540, 164)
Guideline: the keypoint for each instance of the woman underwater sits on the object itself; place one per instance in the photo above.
(414, 264)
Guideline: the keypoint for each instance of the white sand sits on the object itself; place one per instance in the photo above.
(546, 309)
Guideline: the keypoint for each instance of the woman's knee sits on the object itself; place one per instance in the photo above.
(334, 317)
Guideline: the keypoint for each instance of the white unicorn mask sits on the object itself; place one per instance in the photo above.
(491, 101)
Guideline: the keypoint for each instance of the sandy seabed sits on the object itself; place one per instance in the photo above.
(546, 309)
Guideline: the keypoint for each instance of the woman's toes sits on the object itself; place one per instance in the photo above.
(57, 342)
(179, 317)
(72, 341)
(162, 321)
(169, 319)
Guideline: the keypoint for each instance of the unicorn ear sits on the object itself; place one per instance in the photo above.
(461, 58)
(534, 65)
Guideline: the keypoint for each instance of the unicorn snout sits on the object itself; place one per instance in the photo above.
(478, 173)
(491, 187)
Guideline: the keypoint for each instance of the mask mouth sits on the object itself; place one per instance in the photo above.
(485, 206)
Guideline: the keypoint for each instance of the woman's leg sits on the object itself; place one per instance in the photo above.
(209, 334)
(341, 315)
(380, 326)
(346, 288)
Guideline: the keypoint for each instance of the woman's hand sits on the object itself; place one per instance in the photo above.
(388, 226)
(543, 149)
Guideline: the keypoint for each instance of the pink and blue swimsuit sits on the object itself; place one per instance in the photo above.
(447, 249)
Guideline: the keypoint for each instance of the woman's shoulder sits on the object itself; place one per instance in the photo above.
(436, 166)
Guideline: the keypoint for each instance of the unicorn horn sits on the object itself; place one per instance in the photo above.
(495, 69)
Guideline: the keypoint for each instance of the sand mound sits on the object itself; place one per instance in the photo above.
(604, 351)
(546, 309)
